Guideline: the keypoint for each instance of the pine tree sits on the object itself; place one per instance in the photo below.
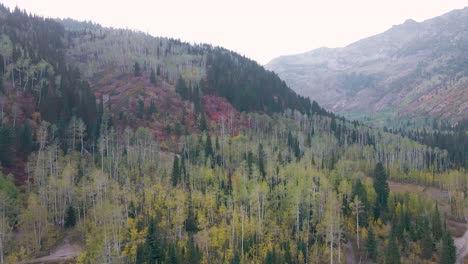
(381, 188)
(191, 221)
(25, 140)
(392, 254)
(141, 108)
(172, 255)
(194, 254)
(437, 231)
(131, 210)
(261, 160)
(152, 245)
(152, 109)
(203, 124)
(153, 77)
(208, 147)
(449, 251)
(175, 171)
(136, 69)
(371, 244)
(6, 146)
(427, 245)
(70, 218)
(140, 255)
(236, 258)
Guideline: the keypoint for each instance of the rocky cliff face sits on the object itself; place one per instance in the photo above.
(411, 70)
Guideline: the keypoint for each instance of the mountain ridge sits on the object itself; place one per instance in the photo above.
(405, 71)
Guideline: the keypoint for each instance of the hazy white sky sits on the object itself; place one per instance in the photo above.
(259, 29)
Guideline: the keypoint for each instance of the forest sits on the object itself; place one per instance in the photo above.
(288, 183)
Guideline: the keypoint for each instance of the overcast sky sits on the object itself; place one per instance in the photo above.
(259, 29)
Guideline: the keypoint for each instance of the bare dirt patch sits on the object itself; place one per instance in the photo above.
(64, 253)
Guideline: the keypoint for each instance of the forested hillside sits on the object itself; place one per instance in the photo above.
(138, 149)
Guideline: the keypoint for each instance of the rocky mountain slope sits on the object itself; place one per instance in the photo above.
(411, 70)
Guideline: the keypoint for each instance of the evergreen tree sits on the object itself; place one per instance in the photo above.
(449, 251)
(25, 140)
(194, 254)
(208, 147)
(136, 69)
(270, 257)
(203, 124)
(152, 109)
(392, 254)
(236, 258)
(70, 218)
(191, 221)
(140, 255)
(371, 244)
(131, 210)
(381, 188)
(261, 160)
(175, 171)
(181, 88)
(141, 108)
(152, 244)
(427, 245)
(6, 146)
(153, 77)
(437, 231)
(172, 255)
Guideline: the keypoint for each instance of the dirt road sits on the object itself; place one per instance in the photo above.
(61, 254)
(462, 247)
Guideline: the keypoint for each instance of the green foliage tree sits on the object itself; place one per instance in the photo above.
(381, 188)
(153, 77)
(203, 124)
(176, 173)
(141, 108)
(448, 253)
(172, 255)
(261, 160)
(208, 147)
(392, 253)
(152, 244)
(6, 146)
(437, 231)
(427, 245)
(190, 223)
(152, 109)
(371, 244)
(25, 140)
(70, 217)
(136, 69)
(140, 257)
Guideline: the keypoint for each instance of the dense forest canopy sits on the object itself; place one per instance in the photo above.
(248, 171)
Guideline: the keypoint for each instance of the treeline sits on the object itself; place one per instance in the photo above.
(32, 56)
(249, 87)
(454, 140)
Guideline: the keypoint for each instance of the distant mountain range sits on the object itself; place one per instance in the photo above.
(413, 70)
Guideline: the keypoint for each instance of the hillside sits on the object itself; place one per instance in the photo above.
(413, 70)
(102, 53)
(119, 147)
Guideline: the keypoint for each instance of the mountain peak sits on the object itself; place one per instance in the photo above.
(412, 69)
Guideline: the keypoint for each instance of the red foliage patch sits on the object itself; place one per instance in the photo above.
(220, 111)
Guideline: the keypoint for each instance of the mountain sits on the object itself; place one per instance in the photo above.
(414, 70)
(119, 147)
